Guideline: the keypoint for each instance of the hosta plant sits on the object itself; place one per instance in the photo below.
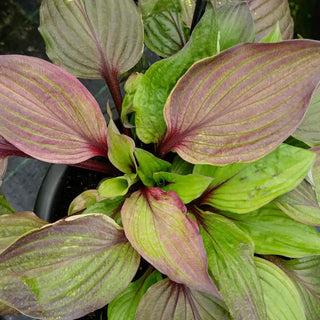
(212, 170)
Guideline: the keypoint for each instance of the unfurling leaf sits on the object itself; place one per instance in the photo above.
(230, 261)
(92, 39)
(67, 269)
(174, 301)
(14, 225)
(124, 306)
(273, 232)
(5, 207)
(83, 201)
(47, 113)
(241, 104)
(211, 33)
(280, 295)
(156, 224)
(116, 187)
(188, 187)
(244, 187)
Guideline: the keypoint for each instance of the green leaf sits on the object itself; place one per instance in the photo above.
(230, 263)
(174, 301)
(316, 170)
(120, 149)
(308, 131)
(161, 77)
(14, 225)
(83, 201)
(187, 10)
(5, 207)
(116, 187)
(273, 36)
(188, 187)
(273, 232)
(179, 166)
(92, 39)
(244, 187)
(280, 295)
(148, 164)
(67, 269)
(151, 7)
(156, 224)
(3, 168)
(125, 305)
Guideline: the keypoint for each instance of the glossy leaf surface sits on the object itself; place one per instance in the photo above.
(241, 104)
(188, 187)
(170, 300)
(244, 187)
(273, 232)
(158, 81)
(83, 201)
(14, 225)
(280, 295)
(230, 262)
(47, 113)
(92, 39)
(156, 224)
(125, 305)
(67, 269)
(148, 164)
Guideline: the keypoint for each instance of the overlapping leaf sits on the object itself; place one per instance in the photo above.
(241, 104)
(170, 300)
(83, 201)
(67, 269)
(47, 113)
(5, 207)
(158, 81)
(230, 261)
(156, 224)
(244, 187)
(273, 232)
(92, 39)
(7, 149)
(116, 187)
(280, 295)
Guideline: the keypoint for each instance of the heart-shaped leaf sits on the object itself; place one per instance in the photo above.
(308, 131)
(156, 224)
(273, 232)
(170, 300)
(244, 187)
(280, 295)
(14, 225)
(188, 187)
(125, 305)
(92, 39)
(67, 269)
(47, 113)
(211, 34)
(241, 104)
(230, 261)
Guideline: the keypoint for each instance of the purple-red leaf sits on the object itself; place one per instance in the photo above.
(156, 224)
(7, 149)
(47, 113)
(240, 105)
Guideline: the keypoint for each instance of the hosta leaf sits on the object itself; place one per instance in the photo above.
(156, 224)
(230, 261)
(273, 232)
(280, 295)
(47, 113)
(5, 207)
(179, 166)
(301, 204)
(161, 77)
(148, 164)
(125, 305)
(273, 36)
(120, 149)
(67, 269)
(267, 13)
(308, 131)
(174, 301)
(188, 187)
(92, 39)
(244, 187)
(14, 225)
(165, 31)
(241, 104)
(116, 187)
(83, 201)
